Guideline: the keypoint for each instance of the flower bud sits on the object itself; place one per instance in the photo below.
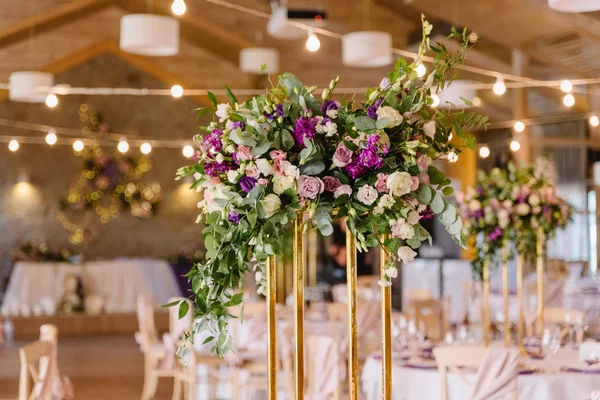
(325, 94)
(280, 120)
(268, 109)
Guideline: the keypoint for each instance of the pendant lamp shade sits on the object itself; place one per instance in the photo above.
(367, 49)
(252, 58)
(453, 95)
(23, 86)
(574, 6)
(149, 35)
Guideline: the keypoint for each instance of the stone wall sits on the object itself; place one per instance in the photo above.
(29, 211)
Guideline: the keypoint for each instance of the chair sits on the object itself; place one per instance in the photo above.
(185, 373)
(411, 295)
(497, 370)
(30, 356)
(324, 373)
(433, 314)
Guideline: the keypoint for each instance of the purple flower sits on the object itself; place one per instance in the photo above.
(372, 109)
(384, 84)
(212, 143)
(279, 110)
(234, 217)
(247, 183)
(426, 214)
(305, 129)
(268, 116)
(238, 124)
(355, 169)
(495, 234)
(215, 168)
(329, 105)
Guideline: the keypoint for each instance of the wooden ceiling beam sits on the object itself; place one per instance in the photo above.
(50, 19)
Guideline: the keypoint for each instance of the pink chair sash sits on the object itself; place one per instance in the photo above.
(324, 374)
(52, 384)
(496, 376)
(177, 326)
(146, 335)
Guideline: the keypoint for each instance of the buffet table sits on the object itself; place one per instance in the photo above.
(118, 282)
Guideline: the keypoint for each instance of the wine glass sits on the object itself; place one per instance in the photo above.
(448, 339)
(555, 341)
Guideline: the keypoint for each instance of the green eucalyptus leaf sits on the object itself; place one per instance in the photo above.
(437, 204)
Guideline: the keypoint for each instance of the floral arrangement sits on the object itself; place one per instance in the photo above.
(39, 251)
(510, 205)
(286, 154)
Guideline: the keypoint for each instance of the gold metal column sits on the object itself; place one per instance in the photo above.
(298, 277)
(539, 262)
(386, 329)
(505, 293)
(352, 338)
(521, 322)
(485, 320)
(312, 260)
(271, 321)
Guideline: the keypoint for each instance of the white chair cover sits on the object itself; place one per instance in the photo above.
(496, 376)
(177, 326)
(324, 373)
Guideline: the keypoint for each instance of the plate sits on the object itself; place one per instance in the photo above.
(583, 369)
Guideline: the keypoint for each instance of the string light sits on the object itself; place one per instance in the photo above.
(178, 7)
(123, 146)
(176, 91)
(515, 145)
(421, 70)
(146, 148)
(484, 151)
(566, 86)
(519, 126)
(450, 136)
(51, 137)
(452, 157)
(188, 151)
(51, 100)
(436, 100)
(13, 145)
(78, 145)
(313, 43)
(499, 87)
(476, 102)
(594, 121)
(569, 100)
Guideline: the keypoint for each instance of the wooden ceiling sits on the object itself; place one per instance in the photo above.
(55, 34)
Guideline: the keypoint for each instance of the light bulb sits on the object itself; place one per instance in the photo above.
(13, 145)
(123, 146)
(313, 43)
(499, 87)
(515, 145)
(436, 100)
(450, 136)
(176, 91)
(51, 100)
(566, 86)
(452, 157)
(519, 126)
(569, 100)
(188, 151)
(594, 121)
(476, 102)
(484, 151)
(146, 148)
(178, 7)
(421, 70)
(51, 137)
(78, 145)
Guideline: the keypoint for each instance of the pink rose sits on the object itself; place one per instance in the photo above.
(380, 185)
(424, 179)
(243, 153)
(278, 155)
(424, 162)
(342, 155)
(214, 181)
(252, 171)
(415, 183)
(342, 190)
(331, 183)
(310, 186)
(262, 181)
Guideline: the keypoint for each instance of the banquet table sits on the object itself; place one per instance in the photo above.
(410, 383)
(118, 282)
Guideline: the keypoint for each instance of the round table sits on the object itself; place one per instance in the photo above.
(424, 384)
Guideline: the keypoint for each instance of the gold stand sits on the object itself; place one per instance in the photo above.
(271, 321)
(312, 260)
(505, 293)
(539, 262)
(386, 325)
(521, 322)
(485, 320)
(352, 338)
(298, 278)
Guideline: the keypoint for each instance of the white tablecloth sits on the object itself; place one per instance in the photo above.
(118, 281)
(418, 384)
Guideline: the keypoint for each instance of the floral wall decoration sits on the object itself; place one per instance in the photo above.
(109, 184)
(288, 154)
(509, 205)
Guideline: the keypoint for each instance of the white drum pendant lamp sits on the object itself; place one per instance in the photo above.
(574, 6)
(252, 58)
(367, 49)
(149, 35)
(24, 86)
(453, 95)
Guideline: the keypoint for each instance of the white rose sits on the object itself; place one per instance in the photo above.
(391, 272)
(534, 200)
(367, 195)
(507, 203)
(413, 217)
(290, 170)
(272, 204)
(378, 210)
(282, 183)
(523, 209)
(342, 190)
(475, 205)
(386, 201)
(503, 218)
(232, 175)
(406, 254)
(223, 111)
(264, 166)
(429, 129)
(399, 183)
(392, 115)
